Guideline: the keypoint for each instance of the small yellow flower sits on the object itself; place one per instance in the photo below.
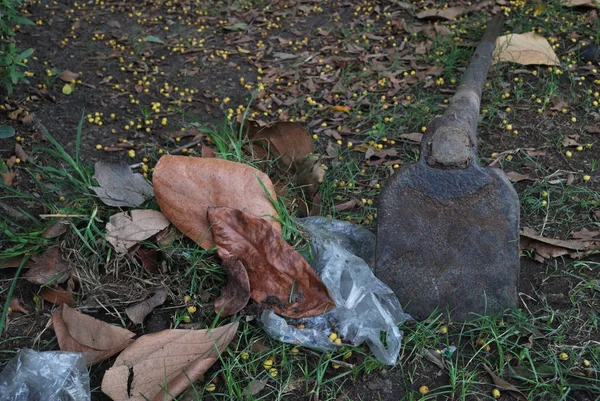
(444, 330)
(273, 372)
(563, 356)
(586, 178)
(423, 390)
(244, 355)
(496, 393)
(211, 387)
(333, 336)
(568, 153)
(131, 153)
(191, 309)
(268, 363)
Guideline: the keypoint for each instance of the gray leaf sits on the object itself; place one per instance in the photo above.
(119, 186)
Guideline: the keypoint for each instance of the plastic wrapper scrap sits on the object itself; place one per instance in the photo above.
(365, 308)
(45, 376)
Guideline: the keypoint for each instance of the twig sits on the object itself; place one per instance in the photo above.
(60, 215)
(187, 145)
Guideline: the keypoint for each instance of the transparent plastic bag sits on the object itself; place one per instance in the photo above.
(45, 376)
(366, 309)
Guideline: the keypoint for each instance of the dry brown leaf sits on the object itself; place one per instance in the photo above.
(185, 187)
(279, 276)
(207, 152)
(350, 204)
(149, 259)
(513, 176)
(549, 248)
(236, 294)
(526, 49)
(582, 3)
(50, 268)
(571, 141)
(68, 76)
(586, 234)
(15, 305)
(289, 141)
(412, 137)
(20, 153)
(138, 312)
(164, 364)
(504, 385)
(15, 261)
(126, 229)
(55, 230)
(8, 177)
(95, 339)
(445, 13)
(58, 296)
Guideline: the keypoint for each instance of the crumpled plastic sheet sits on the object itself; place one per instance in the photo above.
(366, 309)
(45, 376)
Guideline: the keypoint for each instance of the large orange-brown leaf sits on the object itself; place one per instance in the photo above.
(164, 364)
(279, 276)
(97, 340)
(289, 141)
(185, 187)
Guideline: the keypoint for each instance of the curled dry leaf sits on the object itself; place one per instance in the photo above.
(289, 141)
(236, 294)
(279, 276)
(414, 137)
(97, 340)
(55, 230)
(49, 268)
(126, 229)
(162, 365)
(58, 296)
(68, 76)
(504, 385)
(20, 153)
(586, 234)
(149, 258)
(8, 177)
(526, 49)
(119, 186)
(513, 176)
(186, 187)
(15, 305)
(138, 312)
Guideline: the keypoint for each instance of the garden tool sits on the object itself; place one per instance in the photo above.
(448, 228)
